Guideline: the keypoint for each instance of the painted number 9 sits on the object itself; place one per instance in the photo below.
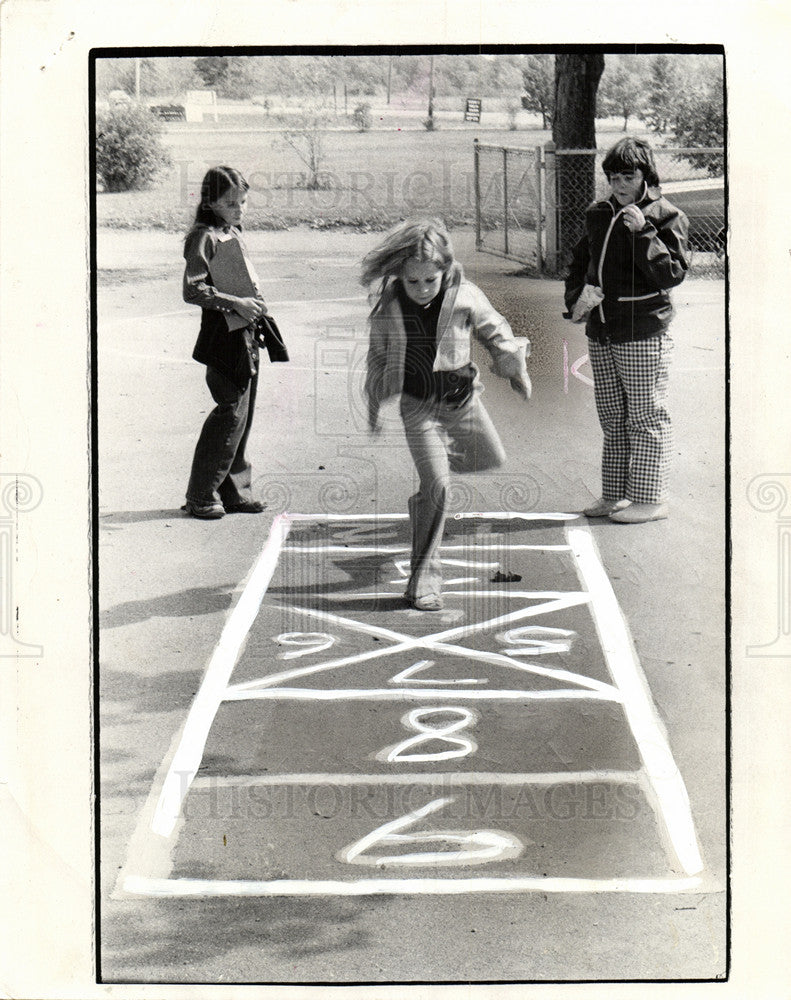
(306, 642)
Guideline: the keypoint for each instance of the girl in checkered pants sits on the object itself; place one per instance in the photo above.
(633, 252)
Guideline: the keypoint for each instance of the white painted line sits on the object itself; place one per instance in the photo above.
(494, 515)
(407, 694)
(141, 886)
(211, 693)
(449, 778)
(660, 767)
(435, 642)
(398, 549)
(404, 675)
(134, 356)
(108, 324)
(318, 302)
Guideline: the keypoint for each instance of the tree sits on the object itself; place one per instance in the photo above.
(623, 88)
(166, 77)
(662, 93)
(307, 141)
(231, 76)
(212, 70)
(574, 127)
(538, 79)
(699, 120)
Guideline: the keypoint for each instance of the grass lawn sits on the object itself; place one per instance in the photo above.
(374, 178)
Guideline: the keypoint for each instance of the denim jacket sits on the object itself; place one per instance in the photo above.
(465, 310)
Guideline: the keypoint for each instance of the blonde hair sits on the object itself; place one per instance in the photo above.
(421, 240)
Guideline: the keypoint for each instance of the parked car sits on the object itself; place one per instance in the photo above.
(703, 202)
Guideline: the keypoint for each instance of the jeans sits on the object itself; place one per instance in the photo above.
(220, 469)
(442, 439)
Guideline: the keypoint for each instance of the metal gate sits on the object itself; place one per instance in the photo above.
(519, 216)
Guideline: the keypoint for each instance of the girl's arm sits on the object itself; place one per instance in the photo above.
(661, 253)
(578, 270)
(375, 368)
(493, 330)
(197, 287)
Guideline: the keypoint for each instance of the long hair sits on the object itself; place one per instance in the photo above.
(217, 181)
(421, 239)
(629, 153)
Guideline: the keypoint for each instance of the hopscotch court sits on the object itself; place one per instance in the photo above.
(344, 744)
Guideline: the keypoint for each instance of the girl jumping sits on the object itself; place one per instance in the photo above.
(221, 476)
(423, 314)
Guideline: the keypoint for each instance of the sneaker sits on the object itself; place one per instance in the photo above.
(205, 511)
(603, 507)
(430, 602)
(246, 507)
(637, 513)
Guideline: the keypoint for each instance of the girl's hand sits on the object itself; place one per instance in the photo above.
(374, 426)
(249, 309)
(633, 218)
(523, 386)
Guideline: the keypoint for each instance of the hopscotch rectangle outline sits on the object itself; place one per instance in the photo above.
(161, 816)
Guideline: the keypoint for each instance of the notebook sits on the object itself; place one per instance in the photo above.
(230, 274)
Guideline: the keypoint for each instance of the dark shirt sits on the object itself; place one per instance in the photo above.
(420, 325)
(420, 379)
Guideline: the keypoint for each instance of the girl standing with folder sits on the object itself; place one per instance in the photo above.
(221, 476)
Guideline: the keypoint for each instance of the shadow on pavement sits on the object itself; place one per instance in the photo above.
(194, 601)
(138, 516)
(285, 930)
(167, 692)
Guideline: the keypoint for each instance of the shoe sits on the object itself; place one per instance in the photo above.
(637, 513)
(205, 511)
(603, 507)
(431, 602)
(246, 507)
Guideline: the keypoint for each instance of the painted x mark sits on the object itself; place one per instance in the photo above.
(439, 642)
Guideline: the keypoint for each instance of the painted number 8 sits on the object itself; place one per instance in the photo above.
(426, 732)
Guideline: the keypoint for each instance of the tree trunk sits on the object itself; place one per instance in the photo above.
(574, 127)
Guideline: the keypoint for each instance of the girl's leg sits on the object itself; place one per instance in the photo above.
(428, 507)
(473, 442)
(643, 369)
(219, 439)
(235, 488)
(610, 400)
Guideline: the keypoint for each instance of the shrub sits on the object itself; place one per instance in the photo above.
(361, 116)
(129, 150)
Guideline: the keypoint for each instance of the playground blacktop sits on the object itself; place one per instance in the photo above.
(169, 585)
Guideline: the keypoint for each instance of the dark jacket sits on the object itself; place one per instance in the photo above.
(634, 270)
(233, 353)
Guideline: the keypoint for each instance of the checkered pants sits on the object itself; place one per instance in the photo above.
(630, 387)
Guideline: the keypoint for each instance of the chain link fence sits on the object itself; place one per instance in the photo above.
(530, 203)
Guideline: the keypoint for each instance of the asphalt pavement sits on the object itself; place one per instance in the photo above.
(169, 583)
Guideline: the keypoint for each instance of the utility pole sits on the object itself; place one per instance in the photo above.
(389, 76)
(431, 89)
